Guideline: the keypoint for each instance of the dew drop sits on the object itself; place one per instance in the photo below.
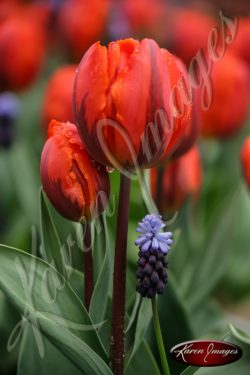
(110, 169)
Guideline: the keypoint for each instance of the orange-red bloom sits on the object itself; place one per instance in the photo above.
(190, 30)
(245, 160)
(73, 183)
(81, 23)
(58, 96)
(126, 97)
(191, 132)
(229, 108)
(22, 49)
(182, 178)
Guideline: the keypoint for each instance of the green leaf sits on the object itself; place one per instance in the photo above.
(101, 301)
(235, 285)
(103, 285)
(9, 317)
(240, 335)
(25, 181)
(143, 362)
(30, 361)
(212, 260)
(134, 312)
(190, 371)
(75, 279)
(209, 320)
(51, 246)
(45, 299)
(144, 318)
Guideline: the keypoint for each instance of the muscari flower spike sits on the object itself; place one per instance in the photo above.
(9, 111)
(154, 245)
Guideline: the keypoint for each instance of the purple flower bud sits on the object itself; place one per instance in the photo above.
(154, 245)
(151, 237)
(9, 111)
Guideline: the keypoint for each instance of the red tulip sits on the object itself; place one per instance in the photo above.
(182, 178)
(190, 30)
(81, 23)
(73, 184)
(58, 96)
(245, 160)
(146, 18)
(191, 132)
(22, 50)
(229, 108)
(125, 98)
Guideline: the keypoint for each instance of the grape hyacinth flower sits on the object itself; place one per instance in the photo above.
(9, 111)
(154, 245)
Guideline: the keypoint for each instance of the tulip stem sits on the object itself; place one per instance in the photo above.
(159, 339)
(88, 265)
(117, 340)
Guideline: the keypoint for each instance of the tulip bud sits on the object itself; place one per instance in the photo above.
(229, 108)
(22, 52)
(128, 106)
(58, 95)
(75, 185)
(245, 160)
(80, 23)
(181, 178)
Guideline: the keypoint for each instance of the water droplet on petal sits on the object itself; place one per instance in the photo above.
(110, 169)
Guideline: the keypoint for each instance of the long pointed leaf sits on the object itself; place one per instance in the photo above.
(46, 300)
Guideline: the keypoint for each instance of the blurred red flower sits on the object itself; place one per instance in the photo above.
(245, 160)
(76, 187)
(182, 178)
(241, 43)
(190, 30)
(58, 95)
(229, 108)
(127, 88)
(146, 17)
(22, 51)
(8, 8)
(80, 23)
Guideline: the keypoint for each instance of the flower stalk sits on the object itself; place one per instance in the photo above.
(159, 339)
(117, 340)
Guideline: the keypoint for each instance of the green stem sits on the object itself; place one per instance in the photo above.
(158, 335)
